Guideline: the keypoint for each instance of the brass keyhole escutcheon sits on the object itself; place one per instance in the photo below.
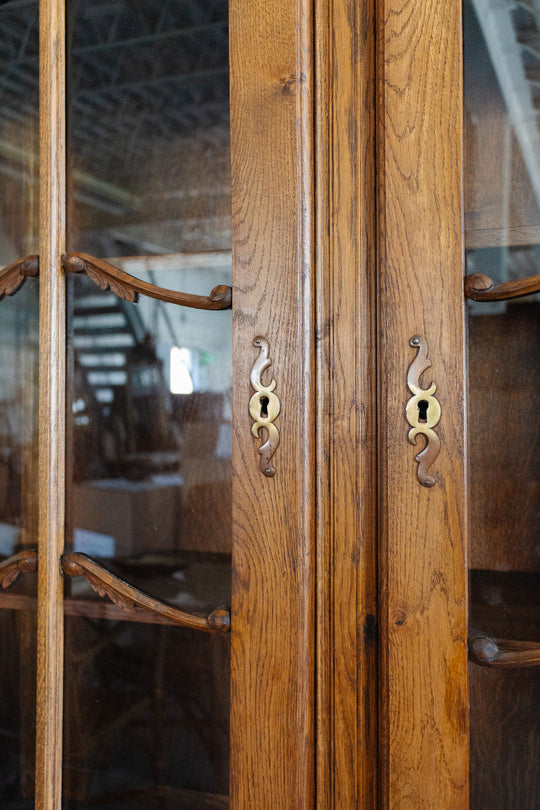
(264, 408)
(423, 411)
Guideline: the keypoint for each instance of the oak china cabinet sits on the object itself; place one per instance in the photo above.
(269, 339)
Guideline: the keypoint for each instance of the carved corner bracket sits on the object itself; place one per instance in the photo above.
(264, 407)
(23, 563)
(13, 276)
(131, 599)
(423, 411)
(122, 284)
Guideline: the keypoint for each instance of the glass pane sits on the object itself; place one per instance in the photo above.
(502, 234)
(19, 192)
(149, 459)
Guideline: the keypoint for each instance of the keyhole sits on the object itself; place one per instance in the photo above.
(264, 407)
(423, 406)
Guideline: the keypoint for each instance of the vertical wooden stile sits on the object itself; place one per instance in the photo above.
(272, 628)
(346, 413)
(51, 406)
(423, 663)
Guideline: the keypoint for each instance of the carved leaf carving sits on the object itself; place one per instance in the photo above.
(130, 599)
(107, 589)
(12, 568)
(122, 284)
(10, 282)
(105, 282)
(14, 275)
(9, 576)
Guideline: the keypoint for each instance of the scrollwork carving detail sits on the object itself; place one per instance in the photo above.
(125, 596)
(122, 284)
(13, 276)
(23, 563)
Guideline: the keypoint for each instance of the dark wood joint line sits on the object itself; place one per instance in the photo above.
(482, 288)
(23, 563)
(13, 276)
(490, 652)
(131, 599)
(122, 284)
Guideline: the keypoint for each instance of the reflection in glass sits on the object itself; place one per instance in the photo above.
(149, 458)
(151, 500)
(19, 176)
(148, 134)
(502, 234)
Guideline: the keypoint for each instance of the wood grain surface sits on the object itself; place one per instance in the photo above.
(51, 406)
(346, 426)
(423, 708)
(272, 618)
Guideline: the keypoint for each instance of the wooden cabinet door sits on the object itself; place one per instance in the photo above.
(165, 447)
(458, 173)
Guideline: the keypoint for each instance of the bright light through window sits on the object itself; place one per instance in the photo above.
(181, 381)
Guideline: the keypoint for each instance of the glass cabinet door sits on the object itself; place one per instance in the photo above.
(502, 244)
(149, 432)
(116, 459)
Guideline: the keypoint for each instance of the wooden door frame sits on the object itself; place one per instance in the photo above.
(422, 546)
(51, 496)
(273, 608)
(304, 626)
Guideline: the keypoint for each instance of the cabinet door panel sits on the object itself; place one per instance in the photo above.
(148, 468)
(135, 411)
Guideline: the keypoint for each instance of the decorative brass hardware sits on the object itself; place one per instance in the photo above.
(13, 276)
(491, 652)
(423, 411)
(264, 407)
(122, 284)
(131, 599)
(482, 288)
(23, 563)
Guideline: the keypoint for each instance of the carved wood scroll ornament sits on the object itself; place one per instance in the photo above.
(490, 652)
(423, 411)
(264, 407)
(23, 563)
(482, 288)
(108, 277)
(122, 284)
(131, 599)
(13, 276)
